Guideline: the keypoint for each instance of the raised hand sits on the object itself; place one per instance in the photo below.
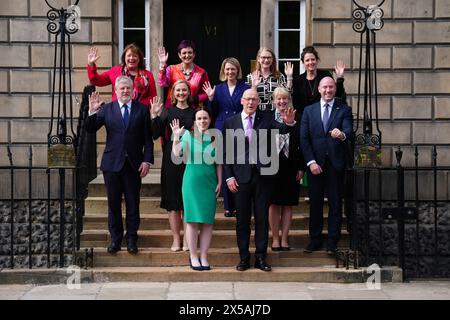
(93, 56)
(289, 115)
(162, 56)
(208, 90)
(95, 103)
(156, 106)
(289, 69)
(175, 126)
(339, 68)
(256, 78)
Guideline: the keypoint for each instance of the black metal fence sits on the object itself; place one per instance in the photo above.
(39, 228)
(401, 215)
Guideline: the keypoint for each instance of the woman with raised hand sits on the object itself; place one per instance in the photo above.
(199, 152)
(132, 66)
(266, 77)
(224, 102)
(186, 70)
(172, 173)
(305, 89)
(291, 170)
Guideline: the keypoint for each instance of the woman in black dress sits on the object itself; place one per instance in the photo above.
(305, 89)
(171, 173)
(291, 170)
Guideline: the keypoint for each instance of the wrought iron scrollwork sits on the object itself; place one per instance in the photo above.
(368, 20)
(61, 146)
(67, 19)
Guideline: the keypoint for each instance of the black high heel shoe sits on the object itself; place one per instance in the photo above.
(205, 268)
(198, 268)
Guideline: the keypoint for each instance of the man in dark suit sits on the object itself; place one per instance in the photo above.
(325, 127)
(250, 160)
(126, 160)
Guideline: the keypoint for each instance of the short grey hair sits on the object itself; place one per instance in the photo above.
(123, 79)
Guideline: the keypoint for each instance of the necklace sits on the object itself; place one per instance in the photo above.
(313, 88)
(186, 73)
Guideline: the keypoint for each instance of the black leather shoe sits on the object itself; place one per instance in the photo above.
(312, 246)
(285, 248)
(331, 250)
(228, 214)
(113, 248)
(132, 249)
(262, 265)
(243, 265)
(276, 248)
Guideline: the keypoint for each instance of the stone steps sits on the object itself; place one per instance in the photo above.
(220, 238)
(150, 185)
(149, 205)
(217, 257)
(185, 274)
(160, 221)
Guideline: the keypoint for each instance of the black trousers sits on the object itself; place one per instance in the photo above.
(330, 183)
(253, 195)
(128, 182)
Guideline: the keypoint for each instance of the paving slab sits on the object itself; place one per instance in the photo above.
(14, 292)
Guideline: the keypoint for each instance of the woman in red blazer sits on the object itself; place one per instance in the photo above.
(132, 66)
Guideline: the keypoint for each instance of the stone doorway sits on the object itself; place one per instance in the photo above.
(219, 29)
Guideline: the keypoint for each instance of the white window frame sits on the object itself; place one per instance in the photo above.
(301, 33)
(146, 28)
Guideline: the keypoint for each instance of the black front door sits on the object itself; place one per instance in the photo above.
(219, 29)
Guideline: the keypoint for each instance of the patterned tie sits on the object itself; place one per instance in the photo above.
(249, 129)
(325, 118)
(126, 115)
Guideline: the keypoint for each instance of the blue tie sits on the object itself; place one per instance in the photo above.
(126, 115)
(325, 118)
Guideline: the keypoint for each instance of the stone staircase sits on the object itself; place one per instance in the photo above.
(155, 261)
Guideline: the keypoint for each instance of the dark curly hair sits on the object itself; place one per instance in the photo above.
(309, 49)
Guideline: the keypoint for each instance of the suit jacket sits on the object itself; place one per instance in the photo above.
(316, 143)
(225, 106)
(135, 141)
(240, 166)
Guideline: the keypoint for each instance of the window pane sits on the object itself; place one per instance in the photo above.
(289, 44)
(136, 36)
(289, 15)
(134, 13)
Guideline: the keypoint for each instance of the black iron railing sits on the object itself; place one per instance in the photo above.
(400, 216)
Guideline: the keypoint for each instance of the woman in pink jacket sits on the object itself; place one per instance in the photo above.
(132, 66)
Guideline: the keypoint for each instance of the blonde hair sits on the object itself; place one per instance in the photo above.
(281, 91)
(172, 95)
(273, 66)
(232, 61)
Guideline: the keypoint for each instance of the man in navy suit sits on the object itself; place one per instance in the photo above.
(248, 167)
(325, 127)
(126, 160)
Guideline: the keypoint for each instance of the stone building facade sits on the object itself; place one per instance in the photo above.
(413, 81)
(413, 60)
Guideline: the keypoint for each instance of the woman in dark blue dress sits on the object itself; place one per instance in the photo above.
(224, 102)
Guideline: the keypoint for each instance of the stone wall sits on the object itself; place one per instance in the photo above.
(427, 245)
(414, 69)
(26, 69)
(15, 227)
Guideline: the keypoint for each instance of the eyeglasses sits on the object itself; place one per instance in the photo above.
(265, 58)
(250, 99)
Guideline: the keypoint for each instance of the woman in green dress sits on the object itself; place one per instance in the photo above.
(202, 180)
